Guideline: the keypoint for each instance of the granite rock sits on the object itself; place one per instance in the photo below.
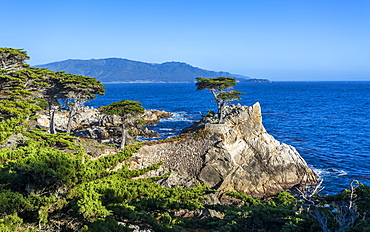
(250, 160)
(239, 156)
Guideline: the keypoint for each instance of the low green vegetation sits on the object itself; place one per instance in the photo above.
(49, 183)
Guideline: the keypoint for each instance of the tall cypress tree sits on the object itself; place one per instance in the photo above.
(222, 91)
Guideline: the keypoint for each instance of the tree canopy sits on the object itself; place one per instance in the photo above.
(218, 83)
(12, 59)
(124, 108)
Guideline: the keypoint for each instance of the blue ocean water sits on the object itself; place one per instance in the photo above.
(327, 122)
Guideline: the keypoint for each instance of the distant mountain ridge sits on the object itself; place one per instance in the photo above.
(124, 70)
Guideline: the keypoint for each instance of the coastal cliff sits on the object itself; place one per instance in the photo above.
(238, 155)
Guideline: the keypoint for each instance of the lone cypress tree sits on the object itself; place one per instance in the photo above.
(222, 91)
(126, 110)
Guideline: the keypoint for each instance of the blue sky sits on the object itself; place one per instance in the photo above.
(277, 40)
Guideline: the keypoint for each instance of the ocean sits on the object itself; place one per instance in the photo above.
(327, 122)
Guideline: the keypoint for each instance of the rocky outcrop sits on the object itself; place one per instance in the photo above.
(250, 160)
(85, 117)
(238, 155)
(91, 123)
(155, 115)
(182, 157)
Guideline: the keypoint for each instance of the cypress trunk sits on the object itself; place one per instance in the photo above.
(52, 123)
(220, 116)
(70, 117)
(123, 142)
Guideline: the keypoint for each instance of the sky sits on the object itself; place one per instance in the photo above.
(310, 40)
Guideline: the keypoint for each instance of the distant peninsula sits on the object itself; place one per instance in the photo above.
(125, 71)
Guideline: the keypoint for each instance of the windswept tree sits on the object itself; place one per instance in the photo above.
(52, 93)
(222, 91)
(75, 90)
(78, 90)
(20, 82)
(127, 111)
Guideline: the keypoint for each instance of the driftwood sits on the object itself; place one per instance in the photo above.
(344, 213)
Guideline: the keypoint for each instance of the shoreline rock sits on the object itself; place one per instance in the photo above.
(155, 115)
(91, 123)
(238, 155)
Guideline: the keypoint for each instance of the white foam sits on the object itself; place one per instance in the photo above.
(177, 117)
(329, 172)
(140, 138)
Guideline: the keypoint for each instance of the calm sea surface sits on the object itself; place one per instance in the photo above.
(327, 122)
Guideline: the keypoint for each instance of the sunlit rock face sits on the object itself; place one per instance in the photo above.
(250, 160)
(238, 155)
